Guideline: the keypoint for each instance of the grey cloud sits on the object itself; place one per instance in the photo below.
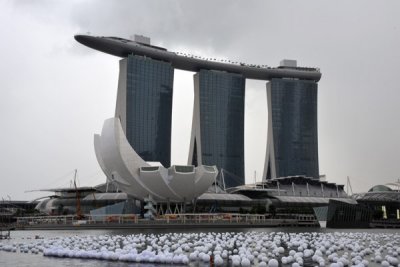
(53, 98)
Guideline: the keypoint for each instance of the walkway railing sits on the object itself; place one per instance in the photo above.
(187, 218)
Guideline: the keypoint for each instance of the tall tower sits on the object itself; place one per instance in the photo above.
(292, 145)
(144, 106)
(218, 123)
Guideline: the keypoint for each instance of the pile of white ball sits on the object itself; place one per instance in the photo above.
(234, 249)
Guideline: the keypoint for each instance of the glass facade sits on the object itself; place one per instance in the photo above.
(293, 104)
(221, 102)
(149, 108)
(344, 215)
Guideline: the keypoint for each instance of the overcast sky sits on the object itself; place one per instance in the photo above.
(55, 93)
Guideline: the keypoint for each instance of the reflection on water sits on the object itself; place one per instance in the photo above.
(27, 259)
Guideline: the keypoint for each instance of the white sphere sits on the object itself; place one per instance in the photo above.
(193, 256)
(394, 261)
(378, 258)
(236, 262)
(245, 262)
(273, 263)
(218, 261)
(206, 258)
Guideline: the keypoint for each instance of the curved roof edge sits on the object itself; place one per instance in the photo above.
(134, 176)
(380, 188)
(122, 48)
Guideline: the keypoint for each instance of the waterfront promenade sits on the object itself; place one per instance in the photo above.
(172, 221)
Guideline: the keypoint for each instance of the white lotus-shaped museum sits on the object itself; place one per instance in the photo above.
(124, 167)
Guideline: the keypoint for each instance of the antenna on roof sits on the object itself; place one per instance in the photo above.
(398, 184)
(78, 199)
(349, 186)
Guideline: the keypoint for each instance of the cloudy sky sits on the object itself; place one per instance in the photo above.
(55, 93)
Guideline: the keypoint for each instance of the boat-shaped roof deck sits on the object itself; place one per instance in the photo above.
(123, 47)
